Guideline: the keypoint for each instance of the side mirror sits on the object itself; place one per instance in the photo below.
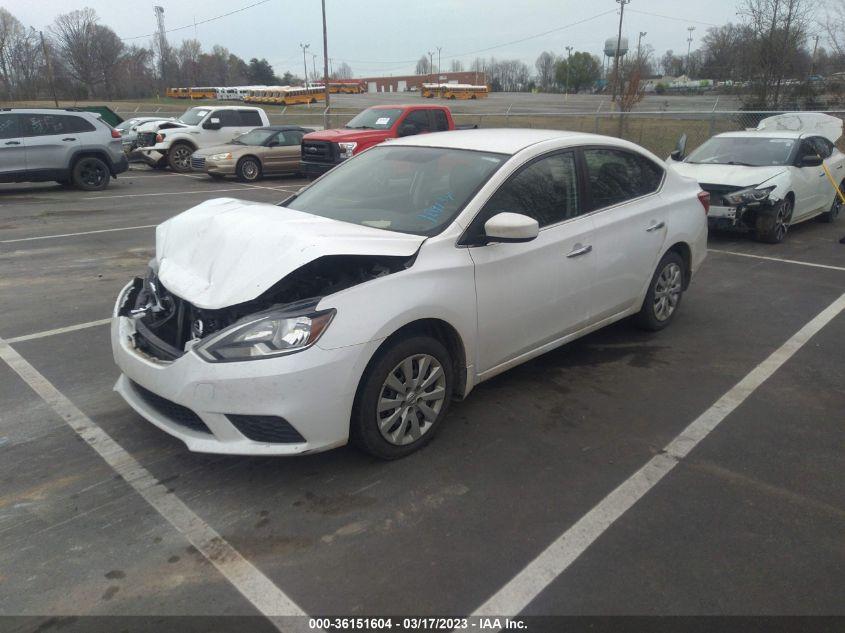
(407, 129)
(511, 227)
(212, 124)
(680, 149)
(811, 160)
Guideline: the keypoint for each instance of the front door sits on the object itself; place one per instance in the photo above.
(532, 293)
(283, 153)
(806, 182)
(631, 224)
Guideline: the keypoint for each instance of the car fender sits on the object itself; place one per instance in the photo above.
(178, 137)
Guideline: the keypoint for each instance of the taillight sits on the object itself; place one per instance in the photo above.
(115, 133)
(704, 199)
(159, 138)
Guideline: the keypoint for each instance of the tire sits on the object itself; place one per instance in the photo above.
(772, 227)
(248, 169)
(90, 174)
(392, 433)
(179, 157)
(835, 207)
(663, 298)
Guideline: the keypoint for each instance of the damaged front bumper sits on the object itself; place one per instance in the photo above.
(287, 405)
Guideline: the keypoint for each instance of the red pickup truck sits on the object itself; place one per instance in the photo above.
(323, 150)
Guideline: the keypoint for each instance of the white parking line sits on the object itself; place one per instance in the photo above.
(58, 330)
(243, 575)
(776, 259)
(517, 594)
(52, 237)
(167, 193)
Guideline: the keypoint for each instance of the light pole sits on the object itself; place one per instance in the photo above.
(622, 4)
(304, 47)
(568, 57)
(430, 64)
(314, 67)
(438, 63)
(325, 69)
(689, 46)
(639, 41)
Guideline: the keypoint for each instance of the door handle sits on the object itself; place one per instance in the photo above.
(13, 142)
(69, 138)
(579, 250)
(654, 227)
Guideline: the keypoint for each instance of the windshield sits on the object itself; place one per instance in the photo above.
(254, 137)
(743, 150)
(125, 125)
(375, 119)
(417, 190)
(193, 116)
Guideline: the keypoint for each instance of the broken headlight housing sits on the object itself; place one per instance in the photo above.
(266, 335)
(751, 195)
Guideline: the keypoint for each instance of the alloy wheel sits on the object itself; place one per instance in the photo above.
(782, 220)
(249, 169)
(667, 291)
(182, 157)
(92, 173)
(411, 398)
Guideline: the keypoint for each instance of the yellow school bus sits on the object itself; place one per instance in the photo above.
(293, 96)
(463, 91)
(429, 91)
(172, 93)
(203, 93)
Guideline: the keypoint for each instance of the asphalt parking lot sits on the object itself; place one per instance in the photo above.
(749, 521)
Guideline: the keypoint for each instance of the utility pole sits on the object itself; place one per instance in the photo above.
(430, 64)
(314, 66)
(639, 41)
(689, 47)
(49, 68)
(162, 41)
(622, 4)
(325, 69)
(304, 47)
(568, 57)
(439, 68)
(815, 49)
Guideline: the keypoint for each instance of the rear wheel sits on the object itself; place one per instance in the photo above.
(835, 207)
(90, 174)
(249, 169)
(179, 157)
(664, 293)
(772, 227)
(402, 399)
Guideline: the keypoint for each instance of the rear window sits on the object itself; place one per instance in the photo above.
(77, 124)
(250, 117)
(9, 127)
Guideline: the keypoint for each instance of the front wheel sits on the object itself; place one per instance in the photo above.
(249, 170)
(772, 227)
(90, 174)
(179, 157)
(664, 294)
(402, 398)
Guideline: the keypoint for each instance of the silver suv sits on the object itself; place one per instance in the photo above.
(68, 146)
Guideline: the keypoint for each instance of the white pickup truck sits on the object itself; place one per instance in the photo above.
(171, 143)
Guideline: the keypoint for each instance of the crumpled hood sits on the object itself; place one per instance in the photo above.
(226, 251)
(730, 175)
(155, 126)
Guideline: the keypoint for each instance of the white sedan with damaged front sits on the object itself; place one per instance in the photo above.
(360, 307)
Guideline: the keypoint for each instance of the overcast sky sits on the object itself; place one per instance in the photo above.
(387, 37)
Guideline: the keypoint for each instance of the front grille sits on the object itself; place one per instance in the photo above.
(717, 193)
(319, 152)
(177, 413)
(146, 139)
(198, 163)
(266, 428)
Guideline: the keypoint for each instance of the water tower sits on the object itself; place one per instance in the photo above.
(610, 47)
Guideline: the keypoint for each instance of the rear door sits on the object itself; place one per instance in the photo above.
(806, 182)
(631, 223)
(49, 146)
(12, 145)
(282, 155)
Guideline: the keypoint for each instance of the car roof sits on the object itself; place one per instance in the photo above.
(51, 111)
(503, 140)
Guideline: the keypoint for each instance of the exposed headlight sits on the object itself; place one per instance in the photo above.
(225, 156)
(346, 149)
(747, 196)
(266, 336)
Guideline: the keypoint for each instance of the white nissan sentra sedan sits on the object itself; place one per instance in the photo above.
(358, 308)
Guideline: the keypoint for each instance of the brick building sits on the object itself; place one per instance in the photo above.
(404, 83)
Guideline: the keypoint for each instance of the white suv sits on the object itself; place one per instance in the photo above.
(171, 143)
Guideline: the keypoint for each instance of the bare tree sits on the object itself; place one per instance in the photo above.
(20, 57)
(75, 36)
(423, 66)
(456, 66)
(545, 66)
(188, 58)
(107, 50)
(344, 71)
